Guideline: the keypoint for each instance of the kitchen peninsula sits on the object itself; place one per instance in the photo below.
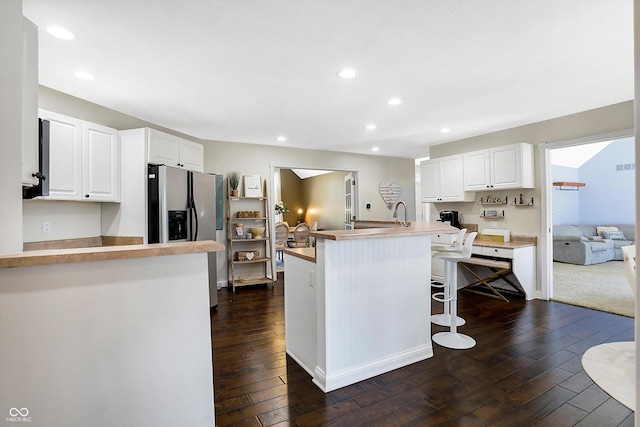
(360, 305)
(109, 335)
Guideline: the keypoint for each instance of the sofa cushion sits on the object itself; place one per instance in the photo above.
(566, 230)
(602, 228)
(571, 238)
(601, 246)
(613, 235)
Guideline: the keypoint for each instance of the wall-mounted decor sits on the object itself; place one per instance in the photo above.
(252, 186)
(390, 192)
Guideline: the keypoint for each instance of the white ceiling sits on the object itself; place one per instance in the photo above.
(252, 70)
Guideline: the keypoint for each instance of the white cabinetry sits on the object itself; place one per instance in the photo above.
(84, 160)
(30, 155)
(170, 150)
(441, 180)
(499, 168)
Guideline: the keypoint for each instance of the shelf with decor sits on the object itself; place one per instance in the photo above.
(492, 201)
(249, 259)
(495, 215)
(521, 203)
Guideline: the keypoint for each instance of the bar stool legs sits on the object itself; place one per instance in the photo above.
(453, 339)
(444, 319)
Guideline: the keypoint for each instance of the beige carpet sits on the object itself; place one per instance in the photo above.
(602, 287)
(612, 366)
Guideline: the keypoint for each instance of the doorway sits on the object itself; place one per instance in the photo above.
(314, 195)
(568, 207)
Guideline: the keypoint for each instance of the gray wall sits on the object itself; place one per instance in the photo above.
(527, 221)
(222, 157)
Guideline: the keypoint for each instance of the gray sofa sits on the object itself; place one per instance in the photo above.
(580, 244)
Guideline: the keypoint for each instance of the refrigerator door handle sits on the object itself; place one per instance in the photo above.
(195, 214)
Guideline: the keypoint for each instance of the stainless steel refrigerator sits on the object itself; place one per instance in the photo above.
(181, 207)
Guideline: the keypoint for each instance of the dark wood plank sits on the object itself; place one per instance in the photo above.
(525, 370)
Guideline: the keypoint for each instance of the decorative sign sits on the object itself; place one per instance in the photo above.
(252, 186)
(390, 192)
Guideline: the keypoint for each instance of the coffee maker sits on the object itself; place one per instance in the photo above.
(450, 217)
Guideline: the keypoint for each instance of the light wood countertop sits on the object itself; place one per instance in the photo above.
(308, 254)
(104, 253)
(516, 242)
(415, 228)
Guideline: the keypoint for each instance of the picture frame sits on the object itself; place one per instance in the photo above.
(252, 185)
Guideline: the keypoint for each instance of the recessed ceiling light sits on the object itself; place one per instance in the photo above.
(61, 33)
(282, 139)
(371, 126)
(394, 101)
(375, 149)
(445, 130)
(83, 75)
(347, 73)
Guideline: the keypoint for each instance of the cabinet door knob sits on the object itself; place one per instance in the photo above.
(86, 195)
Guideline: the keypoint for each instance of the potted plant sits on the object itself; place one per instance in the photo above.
(281, 208)
(234, 180)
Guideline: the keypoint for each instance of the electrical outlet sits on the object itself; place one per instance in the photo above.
(311, 278)
(493, 224)
(46, 227)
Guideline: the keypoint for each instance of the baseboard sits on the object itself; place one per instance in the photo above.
(371, 369)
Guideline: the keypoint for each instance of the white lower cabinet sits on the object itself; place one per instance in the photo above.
(84, 160)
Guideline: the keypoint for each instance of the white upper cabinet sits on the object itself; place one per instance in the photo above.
(499, 168)
(101, 163)
(170, 150)
(84, 160)
(441, 180)
(191, 155)
(65, 156)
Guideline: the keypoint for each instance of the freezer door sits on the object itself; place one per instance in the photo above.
(173, 197)
(204, 206)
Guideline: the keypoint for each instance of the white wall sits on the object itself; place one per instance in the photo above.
(69, 220)
(609, 194)
(11, 126)
(108, 343)
(566, 203)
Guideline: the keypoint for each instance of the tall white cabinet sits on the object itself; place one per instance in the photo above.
(499, 168)
(441, 180)
(30, 155)
(84, 160)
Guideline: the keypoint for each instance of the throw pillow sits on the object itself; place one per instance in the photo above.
(600, 229)
(613, 235)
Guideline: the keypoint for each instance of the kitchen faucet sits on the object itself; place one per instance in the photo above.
(395, 213)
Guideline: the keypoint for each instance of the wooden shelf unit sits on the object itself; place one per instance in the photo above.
(255, 271)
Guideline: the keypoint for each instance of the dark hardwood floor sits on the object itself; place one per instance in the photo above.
(524, 371)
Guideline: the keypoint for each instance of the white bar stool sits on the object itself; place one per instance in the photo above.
(444, 319)
(453, 339)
